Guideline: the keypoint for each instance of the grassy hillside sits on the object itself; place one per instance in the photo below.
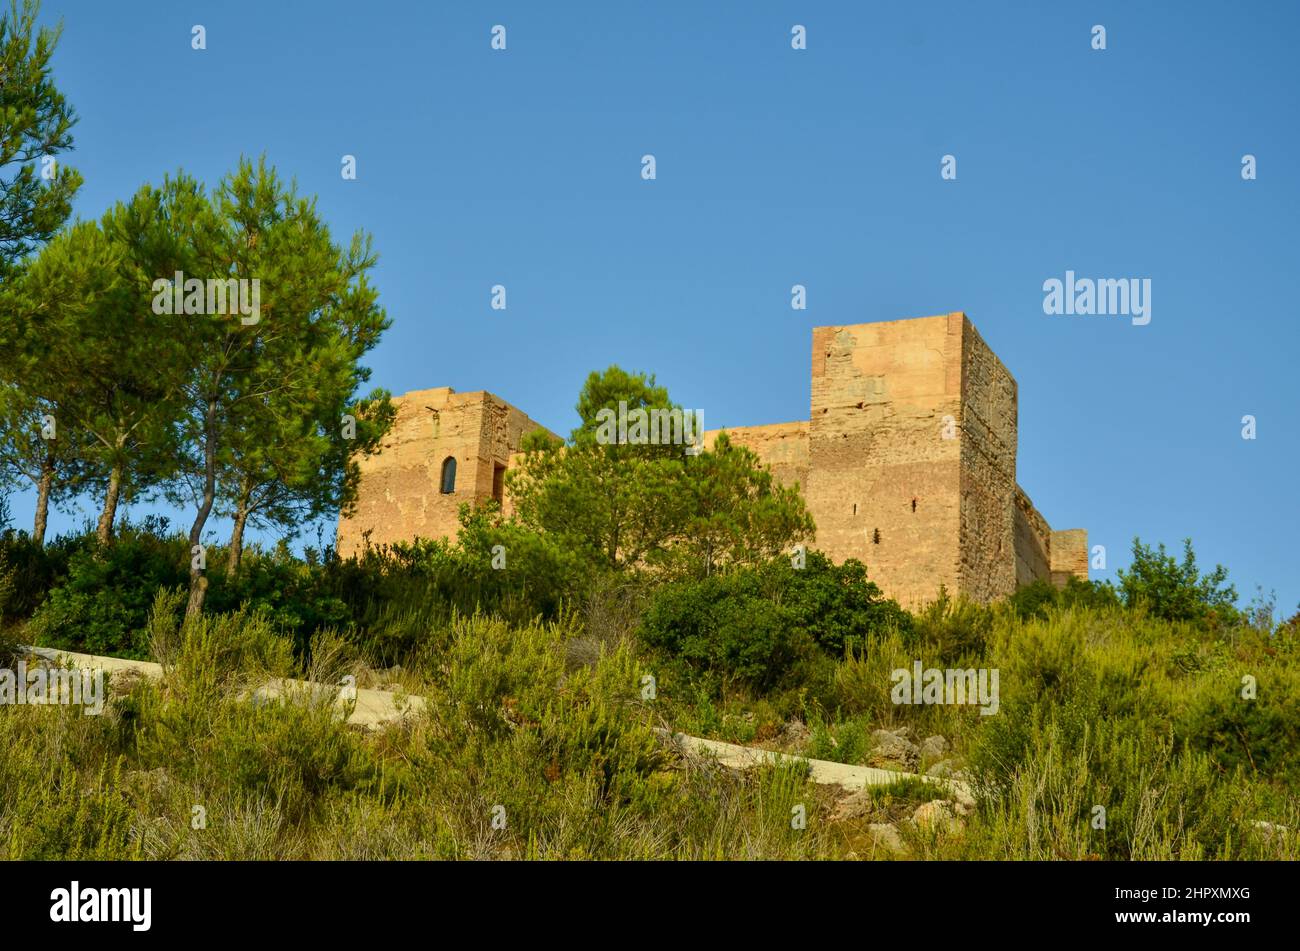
(541, 740)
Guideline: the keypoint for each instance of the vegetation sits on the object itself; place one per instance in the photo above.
(627, 505)
(538, 740)
(204, 347)
(38, 123)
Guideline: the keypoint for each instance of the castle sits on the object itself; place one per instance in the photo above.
(907, 462)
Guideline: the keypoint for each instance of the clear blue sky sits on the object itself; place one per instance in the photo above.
(778, 167)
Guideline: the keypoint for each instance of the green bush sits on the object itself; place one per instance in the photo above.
(294, 594)
(1095, 713)
(28, 571)
(846, 742)
(1176, 591)
(1156, 804)
(726, 624)
(763, 626)
(1040, 597)
(835, 604)
(102, 606)
(1047, 679)
(395, 596)
(1259, 735)
(82, 596)
(1092, 714)
(949, 629)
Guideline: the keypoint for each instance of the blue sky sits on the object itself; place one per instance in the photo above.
(776, 167)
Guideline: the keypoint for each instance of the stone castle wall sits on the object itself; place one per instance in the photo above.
(1068, 556)
(907, 462)
(989, 427)
(1033, 539)
(782, 446)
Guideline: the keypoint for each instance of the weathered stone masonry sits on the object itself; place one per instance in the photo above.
(401, 497)
(907, 463)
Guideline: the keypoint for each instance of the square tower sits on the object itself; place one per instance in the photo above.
(445, 449)
(912, 442)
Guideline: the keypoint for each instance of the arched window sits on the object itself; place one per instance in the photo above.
(449, 475)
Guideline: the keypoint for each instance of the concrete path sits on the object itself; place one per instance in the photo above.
(376, 707)
(823, 772)
(372, 707)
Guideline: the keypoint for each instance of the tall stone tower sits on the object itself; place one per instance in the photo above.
(912, 455)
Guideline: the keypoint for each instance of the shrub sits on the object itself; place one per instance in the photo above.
(948, 629)
(762, 626)
(293, 594)
(1040, 597)
(1159, 805)
(102, 606)
(86, 597)
(726, 624)
(1259, 735)
(835, 604)
(539, 573)
(395, 595)
(28, 571)
(1176, 591)
(204, 729)
(1049, 679)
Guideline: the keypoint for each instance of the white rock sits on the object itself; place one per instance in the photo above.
(938, 814)
(885, 836)
(933, 748)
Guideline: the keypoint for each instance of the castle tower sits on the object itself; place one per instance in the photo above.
(912, 443)
(444, 449)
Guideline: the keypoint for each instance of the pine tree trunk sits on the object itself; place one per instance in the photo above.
(43, 488)
(106, 518)
(237, 539)
(198, 581)
(198, 594)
